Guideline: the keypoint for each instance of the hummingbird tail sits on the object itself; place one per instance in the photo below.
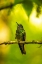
(21, 46)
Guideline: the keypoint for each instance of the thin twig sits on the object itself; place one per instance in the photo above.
(25, 42)
(10, 6)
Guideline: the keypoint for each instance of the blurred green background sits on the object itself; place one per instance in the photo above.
(29, 14)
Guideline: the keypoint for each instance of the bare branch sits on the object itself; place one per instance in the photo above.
(25, 42)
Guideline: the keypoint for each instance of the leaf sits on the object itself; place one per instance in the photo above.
(28, 5)
(38, 2)
(18, 1)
